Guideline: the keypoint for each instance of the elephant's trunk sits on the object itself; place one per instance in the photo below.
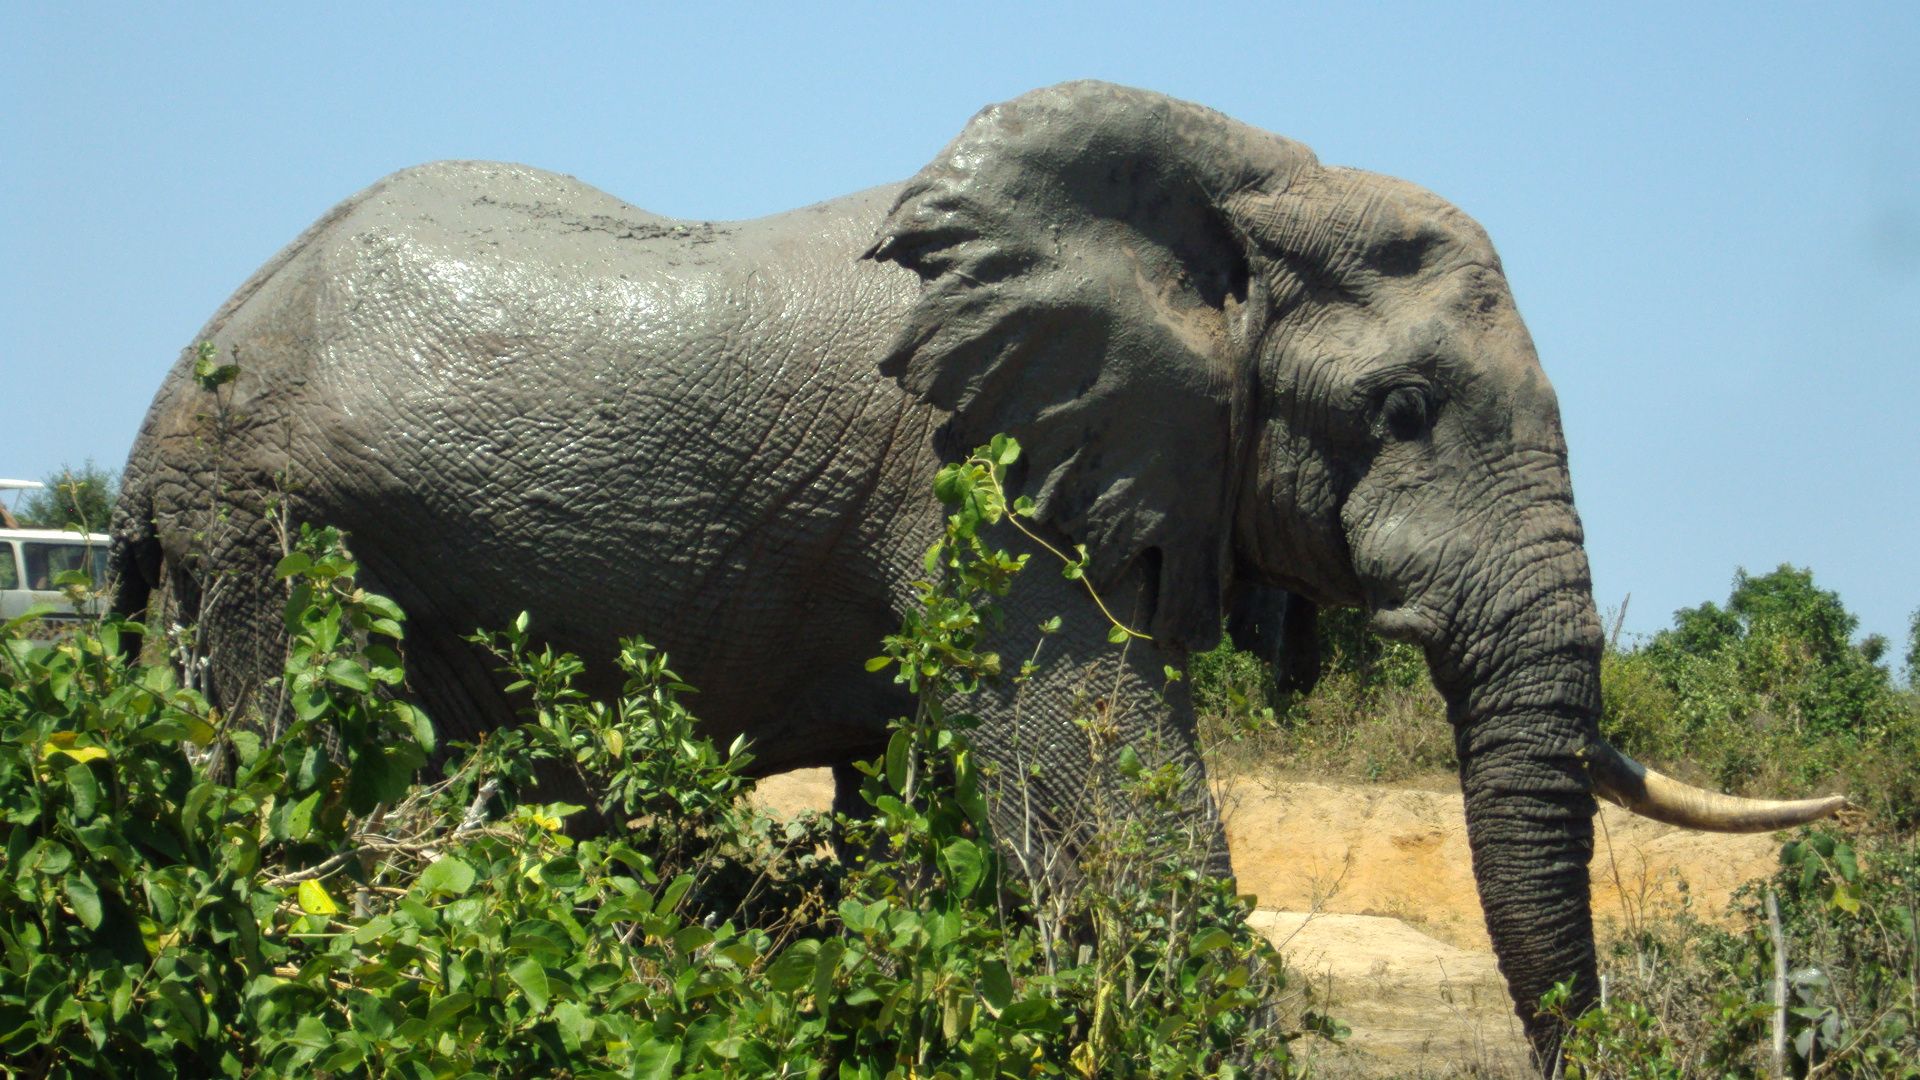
(1525, 702)
(1530, 826)
(1521, 674)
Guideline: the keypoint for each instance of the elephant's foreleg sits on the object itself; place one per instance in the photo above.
(1080, 747)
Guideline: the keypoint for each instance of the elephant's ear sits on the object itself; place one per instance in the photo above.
(1086, 290)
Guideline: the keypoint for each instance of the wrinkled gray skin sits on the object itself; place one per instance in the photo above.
(1239, 375)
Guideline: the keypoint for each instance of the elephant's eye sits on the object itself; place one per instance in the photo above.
(1404, 413)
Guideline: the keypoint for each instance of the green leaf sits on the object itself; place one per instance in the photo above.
(312, 705)
(349, 673)
(689, 938)
(415, 721)
(996, 986)
(85, 898)
(561, 873)
(655, 1060)
(670, 896)
(528, 974)
(300, 818)
(792, 970)
(383, 664)
(964, 864)
(295, 562)
(449, 875)
(854, 915)
(1208, 940)
(1843, 858)
(949, 484)
(1117, 633)
(209, 375)
(899, 756)
(1029, 1012)
(878, 662)
(83, 790)
(1004, 449)
(382, 607)
(382, 776)
(825, 970)
(574, 1025)
(311, 1032)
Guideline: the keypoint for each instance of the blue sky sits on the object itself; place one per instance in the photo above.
(1710, 214)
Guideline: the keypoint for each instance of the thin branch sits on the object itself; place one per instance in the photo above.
(1779, 986)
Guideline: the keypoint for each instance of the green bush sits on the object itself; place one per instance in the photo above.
(1790, 643)
(1373, 715)
(323, 912)
(1770, 695)
(1695, 999)
(1767, 695)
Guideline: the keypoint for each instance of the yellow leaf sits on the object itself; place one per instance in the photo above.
(1082, 1059)
(314, 899)
(62, 742)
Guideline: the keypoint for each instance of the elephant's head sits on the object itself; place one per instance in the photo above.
(1251, 370)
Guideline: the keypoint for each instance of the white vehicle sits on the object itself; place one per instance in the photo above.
(31, 560)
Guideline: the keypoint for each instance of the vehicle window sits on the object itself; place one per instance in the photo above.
(46, 560)
(9, 574)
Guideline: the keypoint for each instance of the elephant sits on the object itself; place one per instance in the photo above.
(1252, 385)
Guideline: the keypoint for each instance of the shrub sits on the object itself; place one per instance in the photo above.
(1768, 694)
(322, 912)
(1373, 715)
(1693, 999)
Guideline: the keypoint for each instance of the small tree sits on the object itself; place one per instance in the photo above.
(80, 497)
(1787, 641)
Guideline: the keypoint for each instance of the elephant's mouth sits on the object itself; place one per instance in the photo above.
(1406, 622)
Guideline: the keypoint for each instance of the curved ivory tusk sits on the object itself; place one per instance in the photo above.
(1662, 798)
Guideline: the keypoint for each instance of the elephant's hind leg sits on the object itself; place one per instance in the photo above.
(235, 604)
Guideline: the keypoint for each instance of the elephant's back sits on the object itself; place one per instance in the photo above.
(490, 321)
(483, 211)
(620, 420)
(459, 275)
(504, 368)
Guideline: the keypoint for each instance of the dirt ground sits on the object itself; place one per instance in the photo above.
(1368, 890)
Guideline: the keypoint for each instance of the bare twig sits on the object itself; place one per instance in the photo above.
(1779, 986)
(476, 815)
